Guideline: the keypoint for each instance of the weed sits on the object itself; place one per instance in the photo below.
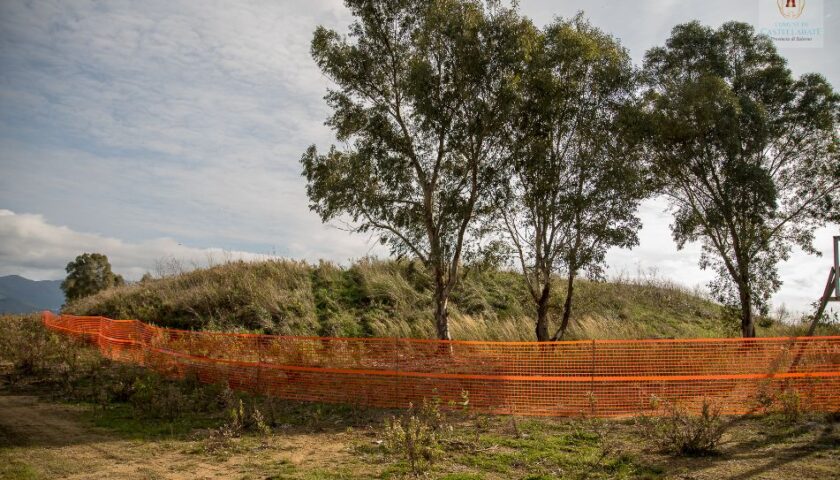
(790, 404)
(413, 440)
(681, 433)
(430, 413)
(241, 419)
(220, 439)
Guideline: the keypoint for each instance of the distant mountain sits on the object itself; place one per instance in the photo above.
(21, 295)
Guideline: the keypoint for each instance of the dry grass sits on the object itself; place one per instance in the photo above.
(394, 298)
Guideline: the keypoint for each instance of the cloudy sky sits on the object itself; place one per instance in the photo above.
(154, 129)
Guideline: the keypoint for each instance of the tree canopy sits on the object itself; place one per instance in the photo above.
(423, 91)
(575, 169)
(458, 118)
(88, 274)
(746, 154)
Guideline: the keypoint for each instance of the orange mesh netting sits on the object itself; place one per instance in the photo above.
(601, 377)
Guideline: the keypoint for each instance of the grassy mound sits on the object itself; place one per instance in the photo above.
(394, 298)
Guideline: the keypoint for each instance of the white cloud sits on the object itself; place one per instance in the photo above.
(197, 111)
(31, 247)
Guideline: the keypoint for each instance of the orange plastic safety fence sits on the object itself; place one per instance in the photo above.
(600, 377)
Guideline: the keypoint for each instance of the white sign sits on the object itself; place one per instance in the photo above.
(792, 23)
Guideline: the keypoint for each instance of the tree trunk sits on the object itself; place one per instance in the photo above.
(747, 321)
(542, 313)
(567, 307)
(441, 303)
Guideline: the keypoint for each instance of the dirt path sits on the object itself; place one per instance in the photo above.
(51, 441)
(26, 421)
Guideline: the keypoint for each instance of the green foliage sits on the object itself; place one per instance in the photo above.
(88, 274)
(423, 92)
(573, 189)
(128, 398)
(746, 153)
(412, 439)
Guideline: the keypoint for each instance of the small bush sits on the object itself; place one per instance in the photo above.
(153, 397)
(36, 353)
(790, 405)
(431, 414)
(220, 439)
(240, 420)
(24, 343)
(785, 405)
(414, 437)
(681, 433)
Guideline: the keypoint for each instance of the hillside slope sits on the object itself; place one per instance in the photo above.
(21, 295)
(394, 298)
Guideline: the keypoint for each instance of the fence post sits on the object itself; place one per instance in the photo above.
(592, 398)
(100, 342)
(259, 366)
(398, 380)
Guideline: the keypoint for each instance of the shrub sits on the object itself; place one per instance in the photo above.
(790, 403)
(430, 413)
(681, 433)
(153, 397)
(38, 354)
(414, 437)
(240, 420)
(220, 439)
(786, 404)
(24, 343)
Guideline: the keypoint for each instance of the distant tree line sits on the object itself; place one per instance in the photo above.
(466, 130)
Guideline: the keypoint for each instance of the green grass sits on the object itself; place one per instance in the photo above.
(17, 470)
(544, 449)
(121, 419)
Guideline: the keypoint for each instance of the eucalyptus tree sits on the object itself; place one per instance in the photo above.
(422, 92)
(575, 169)
(747, 155)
